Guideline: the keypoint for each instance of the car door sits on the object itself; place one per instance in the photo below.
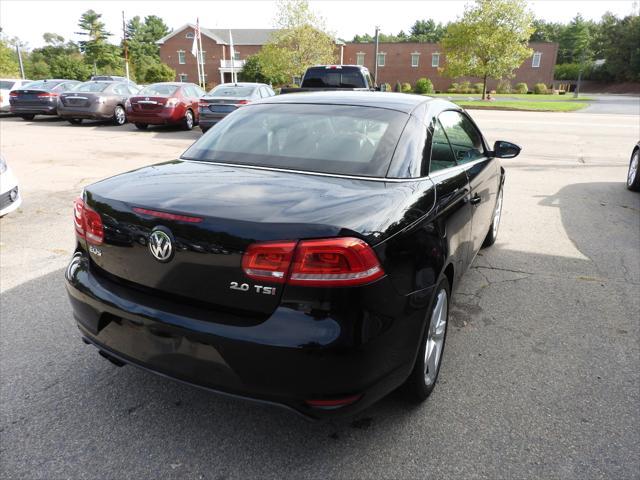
(121, 94)
(192, 99)
(454, 211)
(483, 172)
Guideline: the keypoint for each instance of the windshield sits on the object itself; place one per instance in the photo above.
(41, 85)
(91, 87)
(337, 139)
(231, 91)
(6, 84)
(159, 90)
(322, 77)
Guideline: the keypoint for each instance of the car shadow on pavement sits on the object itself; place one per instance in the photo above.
(539, 375)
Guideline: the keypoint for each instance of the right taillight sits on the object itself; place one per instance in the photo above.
(331, 262)
(87, 222)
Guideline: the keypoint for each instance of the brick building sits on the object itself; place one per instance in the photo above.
(175, 51)
(403, 62)
(407, 62)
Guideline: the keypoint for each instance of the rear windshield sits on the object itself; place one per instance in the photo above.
(6, 85)
(337, 139)
(322, 77)
(41, 85)
(158, 90)
(91, 87)
(232, 91)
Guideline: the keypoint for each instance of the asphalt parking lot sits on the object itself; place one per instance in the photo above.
(541, 374)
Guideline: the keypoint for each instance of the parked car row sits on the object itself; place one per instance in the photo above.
(119, 100)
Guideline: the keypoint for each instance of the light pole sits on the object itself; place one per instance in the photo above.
(20, 59)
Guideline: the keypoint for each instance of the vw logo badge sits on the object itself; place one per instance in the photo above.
(161, 245)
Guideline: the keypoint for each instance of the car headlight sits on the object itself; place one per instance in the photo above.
(3, 165)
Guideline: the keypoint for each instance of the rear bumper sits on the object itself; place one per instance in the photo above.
(208, 120)
(96, 111)
(166, 116)
(18, 109)
(290, 357)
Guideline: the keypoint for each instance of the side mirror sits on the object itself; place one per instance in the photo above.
(502, 149)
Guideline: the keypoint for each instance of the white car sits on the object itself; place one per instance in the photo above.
(9, 193)
(6, 85)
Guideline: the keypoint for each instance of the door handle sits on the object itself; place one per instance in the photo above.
(475, 200)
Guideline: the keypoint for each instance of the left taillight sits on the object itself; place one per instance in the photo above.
(13, 94)
(88, 223)
(242, 102)
(332, 262)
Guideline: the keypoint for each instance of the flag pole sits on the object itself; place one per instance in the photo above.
(234, 79)
(194, 47)
(126, 50)
(200, 54)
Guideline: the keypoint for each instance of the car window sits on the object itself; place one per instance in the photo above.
(200, 92)
(91, 87)
(132, 89)
(263, 92)
(231, 91)
(121, 89)
(158, 89)
(338, 139)
(441, 154)
(463, 136)
(8, 84)
(333, 77)
(41, 85)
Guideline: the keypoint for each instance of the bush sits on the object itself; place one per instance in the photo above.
(504, 86)
(478, 87)
(521, 88)
(385, 87)
(453, 88)
(423, 85)
(540, 89)
(398, 86)
(406, 88)
(465, 87)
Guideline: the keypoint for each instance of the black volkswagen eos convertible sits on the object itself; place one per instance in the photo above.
(302, 253)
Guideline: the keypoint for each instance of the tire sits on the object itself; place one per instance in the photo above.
(74, 121)
(119, 115)
(492, 235)
(633, 174)
(28, 117)
(424, 376)
(141, 126)
(188, 121)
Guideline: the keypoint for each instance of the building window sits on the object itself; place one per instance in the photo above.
(535, 62)
(415, 59)
(381, 59)
(183, 77)
(360, 58)
(435, 60)
(182, 59)
(203, 57)
(236, 54)
(189, 35)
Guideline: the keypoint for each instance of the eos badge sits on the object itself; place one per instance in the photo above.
(161, 245)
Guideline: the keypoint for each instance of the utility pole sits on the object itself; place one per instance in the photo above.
(20, 60)
(375, 68)
(126, 49)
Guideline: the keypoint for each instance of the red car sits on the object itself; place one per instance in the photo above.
(168, 103)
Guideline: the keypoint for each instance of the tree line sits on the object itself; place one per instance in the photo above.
(94, 54)
(580, 44)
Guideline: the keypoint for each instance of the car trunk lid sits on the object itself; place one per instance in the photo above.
(148, 104)
(212, 213)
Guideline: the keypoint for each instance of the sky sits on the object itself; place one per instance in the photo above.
(29, 19)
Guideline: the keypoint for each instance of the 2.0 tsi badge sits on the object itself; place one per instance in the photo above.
(161, 245)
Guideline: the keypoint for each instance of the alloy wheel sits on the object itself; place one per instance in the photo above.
(189, 120)
(435, 338)
(120, 116)
(633, 169)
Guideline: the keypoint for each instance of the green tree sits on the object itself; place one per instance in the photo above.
(302, 41)
(144, 52)
(252, 71)
(157, 72)
(426, 31)
(575, 42)
(490, 41)
(8, 63)
(105, 57)
(621, 48)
